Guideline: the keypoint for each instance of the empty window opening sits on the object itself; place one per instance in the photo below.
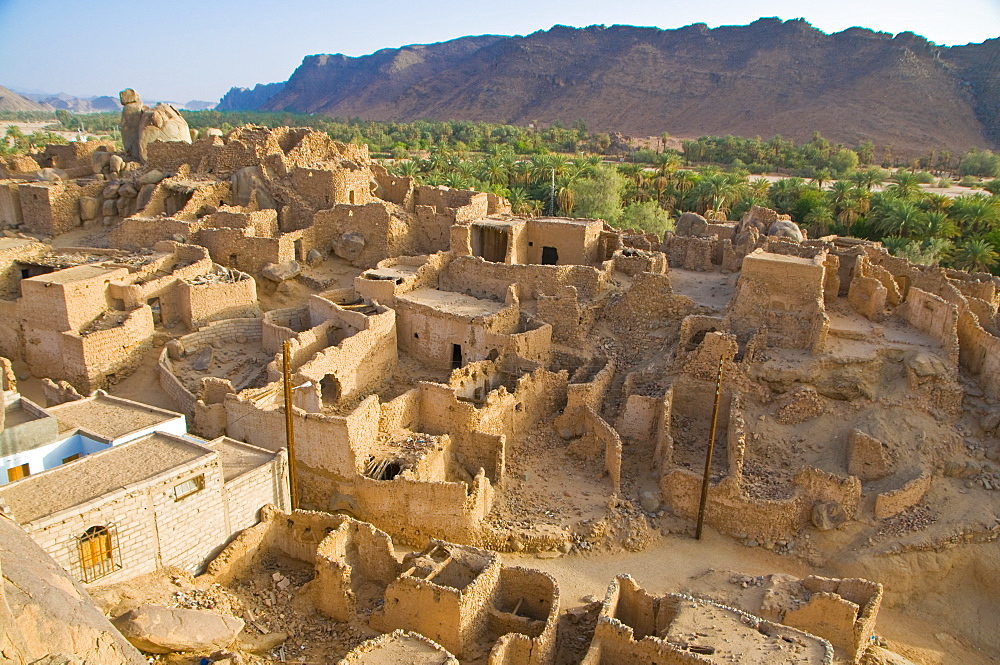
(18, 472)
(154, 304)
(456, 356)
(330, 388)
(416, 336)
(98, 554)
(233, 261)
(384, 469)
(490, 243)
(350, 196)
(550, 256)
(188, 487)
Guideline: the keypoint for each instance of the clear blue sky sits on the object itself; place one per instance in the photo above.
(197, 49)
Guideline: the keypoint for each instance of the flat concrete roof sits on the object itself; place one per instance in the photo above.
(238, 458)
(109, 417)
(95, 475)
(450, 302)
(74, 274)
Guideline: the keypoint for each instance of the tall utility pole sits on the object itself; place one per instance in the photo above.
(711, 450)
(286, 376)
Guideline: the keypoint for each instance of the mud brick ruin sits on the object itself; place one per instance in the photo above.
(474, 387)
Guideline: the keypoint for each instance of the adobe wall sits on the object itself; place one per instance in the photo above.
(896, 501)
(794, 318)
(354, 554)
(608, 440)
(528, 637)
(414, 511)
(385, 234)
(936, 317)
(456, 619)
(53, 208)
(575, 241)
(11, 251)
(731, 511)
(980, 353)
(213, 301)
(10, 202)
(63, 303)
(358, 362)
(581, 396)
(480, 278)
(842, 611)
(92, 359)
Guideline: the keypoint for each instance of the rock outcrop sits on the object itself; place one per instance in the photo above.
(44, 612)
(142, 125)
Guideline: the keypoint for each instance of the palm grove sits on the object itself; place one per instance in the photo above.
(566, 171)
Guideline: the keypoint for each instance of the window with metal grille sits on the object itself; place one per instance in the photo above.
(99, 554)
(188, 487)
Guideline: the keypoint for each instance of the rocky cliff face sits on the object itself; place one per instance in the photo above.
(766, 78)
(44, 612)
(241, 99)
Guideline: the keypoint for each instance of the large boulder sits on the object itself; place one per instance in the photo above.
(248, 181)
(280, 272)
(786, 228)
(157, 629)
(44, 612)
(142, 125)
(349, 246)
(691, 224)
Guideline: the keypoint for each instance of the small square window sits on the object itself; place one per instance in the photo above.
(189, 487)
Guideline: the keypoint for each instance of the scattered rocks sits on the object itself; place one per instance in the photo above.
(649, 501)
(280, 272)
(827, 516)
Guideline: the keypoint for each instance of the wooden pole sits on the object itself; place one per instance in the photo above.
(286, 375)
(711, 450)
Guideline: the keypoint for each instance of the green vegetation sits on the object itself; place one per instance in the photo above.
(563, 171)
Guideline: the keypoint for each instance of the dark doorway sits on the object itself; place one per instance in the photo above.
(330, 387)
(299, 256)
(456, 356)
(550, 256)
(233, 261)
(490, 243)
(154, 304)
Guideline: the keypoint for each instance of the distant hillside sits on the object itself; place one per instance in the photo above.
(766, 78)
(77, 104)
(242, 99)
(11, 101)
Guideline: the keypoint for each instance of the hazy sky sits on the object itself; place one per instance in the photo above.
(197, 49)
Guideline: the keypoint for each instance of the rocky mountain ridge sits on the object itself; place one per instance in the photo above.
(770, 77)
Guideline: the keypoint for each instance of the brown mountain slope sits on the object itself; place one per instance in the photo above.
(11, 101)
(767, 78)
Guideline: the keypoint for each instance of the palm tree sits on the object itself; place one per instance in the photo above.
(936, 202)
(759, 188)
(519, 201)
(819, 220)
(977, 255)
(975, 213)
(407, 168)
(566, 201)
(901, 218)
(905, 185)
(821, 177)
(868, 178)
